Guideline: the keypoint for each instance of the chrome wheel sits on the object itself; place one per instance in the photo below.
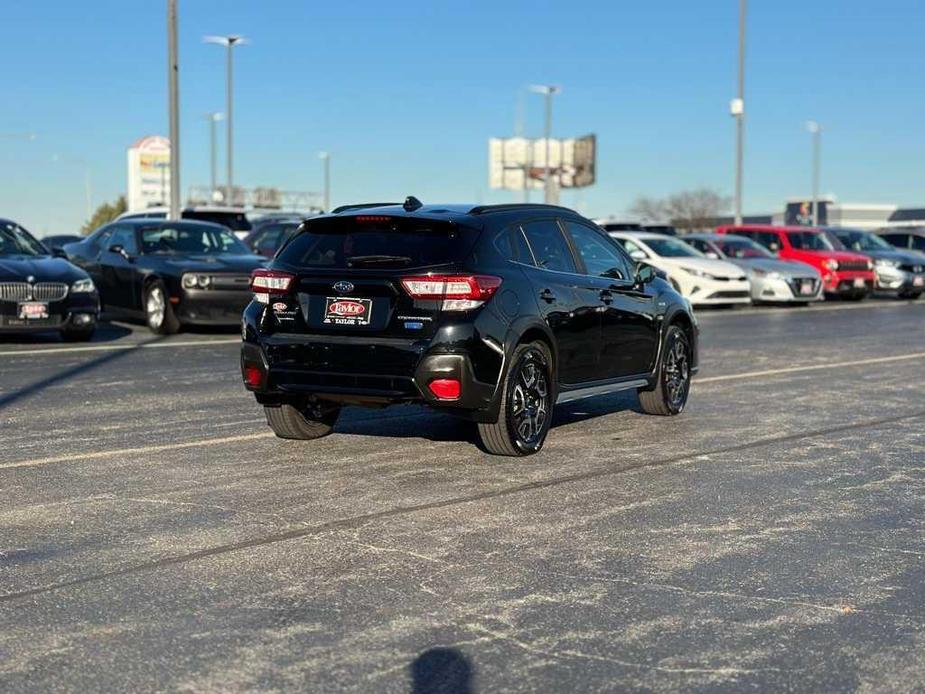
(677, 373)
(156, 307)
(529, 404)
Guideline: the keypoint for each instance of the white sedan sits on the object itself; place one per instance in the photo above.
(703, 281)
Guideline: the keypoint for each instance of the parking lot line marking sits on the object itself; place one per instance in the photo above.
(810, 367)
(397, 511)
(158, 448)
(199, 443)
(103, 348)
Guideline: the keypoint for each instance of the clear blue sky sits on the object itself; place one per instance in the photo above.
(405, 94)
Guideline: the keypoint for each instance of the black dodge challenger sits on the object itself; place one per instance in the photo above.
(41, 292)
(168, 273)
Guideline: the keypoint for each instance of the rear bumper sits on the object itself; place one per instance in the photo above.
(361, 371)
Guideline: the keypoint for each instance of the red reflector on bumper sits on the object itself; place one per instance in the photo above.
(253, 376)
(445, 388)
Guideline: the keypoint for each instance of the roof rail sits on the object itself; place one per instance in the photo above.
(511, 207)
(362, 205)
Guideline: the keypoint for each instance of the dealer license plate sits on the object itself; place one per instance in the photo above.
(33, 310)
(339, 310)
(859, 282)
(806, 288)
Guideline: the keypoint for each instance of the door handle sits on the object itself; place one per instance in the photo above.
(547, 296)
(606, 296)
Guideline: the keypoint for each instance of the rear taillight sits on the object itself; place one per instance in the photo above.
(267, 282)
(253, 376)
(458, 292)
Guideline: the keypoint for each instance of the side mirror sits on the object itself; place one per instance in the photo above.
(120, 250)
(644, 274)
(638, 255)
(58, 253)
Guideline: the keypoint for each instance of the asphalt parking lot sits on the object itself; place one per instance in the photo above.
(154, 535)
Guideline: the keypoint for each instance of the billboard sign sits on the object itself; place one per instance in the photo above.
(518, 163)
(800, 213)
(148, 173)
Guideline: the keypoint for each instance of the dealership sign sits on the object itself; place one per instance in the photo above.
(148, 173)
(518, 163)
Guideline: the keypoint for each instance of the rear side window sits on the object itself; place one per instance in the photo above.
(549, 246)
(901, 240)
(378, 242)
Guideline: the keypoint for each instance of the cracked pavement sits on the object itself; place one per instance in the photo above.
(155, 536)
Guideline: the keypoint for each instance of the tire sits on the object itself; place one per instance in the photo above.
(310, 422)
(159, 315)
(669, 396)
(526, 404)
(77, 334)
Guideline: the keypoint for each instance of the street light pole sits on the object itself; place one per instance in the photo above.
(213, 118)
(174, 109)
(229, 42)
(326, 159)
(548, 91)
(816, 131)
(738, 112)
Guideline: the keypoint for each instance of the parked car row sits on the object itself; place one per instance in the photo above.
(771, 264)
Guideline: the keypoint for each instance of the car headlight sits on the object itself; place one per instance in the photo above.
(770, 274)
(194, 281)
(697, 273)
(886, 262)
(830, 265)
(82, 286)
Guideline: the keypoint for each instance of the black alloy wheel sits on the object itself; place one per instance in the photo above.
(669, 396)
(526, 404)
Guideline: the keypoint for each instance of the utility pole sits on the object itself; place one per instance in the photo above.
(174, 109)
(816, 131)
(229, 42)
(737, 109)
(326, 163)
(548, 91)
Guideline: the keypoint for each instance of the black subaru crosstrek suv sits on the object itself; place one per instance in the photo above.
(493, 313)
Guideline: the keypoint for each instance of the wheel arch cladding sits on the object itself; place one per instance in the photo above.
(536, 334)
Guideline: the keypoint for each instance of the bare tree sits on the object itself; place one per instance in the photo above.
(648, 209)
(691, 210)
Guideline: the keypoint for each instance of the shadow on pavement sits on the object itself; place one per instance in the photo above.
(108, 358)
(105, 332)
(441, 671)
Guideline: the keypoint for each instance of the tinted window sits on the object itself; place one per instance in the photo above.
(634, 249)
(190, 239)
(700, 245)
(549, 246)
(14, 240)
(378, 242)
(918, 243)
(597, 253)
(522, 252)
(672, 248)
(901, 240)
(862, 241)
(742, 248)
(275, 235)
(809, 241)
(125, 237)
(236, 221)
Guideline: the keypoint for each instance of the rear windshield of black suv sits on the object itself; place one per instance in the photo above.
(378, 242)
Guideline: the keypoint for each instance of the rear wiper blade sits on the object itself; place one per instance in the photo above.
(377, 259)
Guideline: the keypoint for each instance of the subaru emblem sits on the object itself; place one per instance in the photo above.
(343, 286)
(30, 279)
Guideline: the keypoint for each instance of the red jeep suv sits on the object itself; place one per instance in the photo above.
(846, 274)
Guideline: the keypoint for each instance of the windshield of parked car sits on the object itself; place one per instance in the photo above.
(236, 221)
(192, 239)
(863, 241)
(742, 248)
(14, 240)
(810, 241)
(671, 248)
